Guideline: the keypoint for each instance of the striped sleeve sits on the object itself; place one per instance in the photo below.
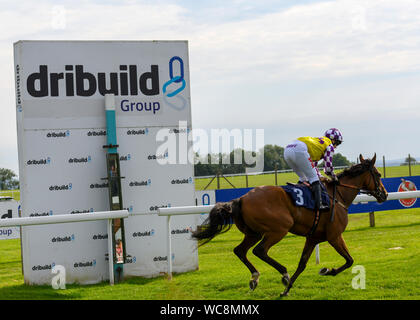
(328, 156)
(316, 169)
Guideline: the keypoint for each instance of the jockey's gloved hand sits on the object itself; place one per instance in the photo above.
(334, 179)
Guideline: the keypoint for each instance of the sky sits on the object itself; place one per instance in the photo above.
(292, 68)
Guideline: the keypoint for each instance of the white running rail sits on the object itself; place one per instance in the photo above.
(78, 217)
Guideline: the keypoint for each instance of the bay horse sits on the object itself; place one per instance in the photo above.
(266, 214)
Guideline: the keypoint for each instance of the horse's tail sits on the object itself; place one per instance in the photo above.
(219, 220)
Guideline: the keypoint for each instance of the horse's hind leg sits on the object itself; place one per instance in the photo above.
(241, 251)
(340, 246)
(262, 248)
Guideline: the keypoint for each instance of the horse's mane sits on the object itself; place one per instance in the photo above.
(355, 170)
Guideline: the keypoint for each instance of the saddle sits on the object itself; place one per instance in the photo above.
(302, 195)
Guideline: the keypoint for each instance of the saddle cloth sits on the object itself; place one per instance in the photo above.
(302, 195)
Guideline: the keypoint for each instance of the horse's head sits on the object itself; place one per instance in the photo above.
(371, 183)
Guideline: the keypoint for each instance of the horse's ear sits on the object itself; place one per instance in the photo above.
(373, 160)
(361, 158)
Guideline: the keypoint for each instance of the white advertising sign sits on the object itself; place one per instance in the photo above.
(9, 208)
(60, 87)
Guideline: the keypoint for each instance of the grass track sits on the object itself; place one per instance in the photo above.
(390, 273)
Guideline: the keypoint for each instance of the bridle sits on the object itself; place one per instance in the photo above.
(375, 193)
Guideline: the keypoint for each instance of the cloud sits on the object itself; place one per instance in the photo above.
(252, 64)
(331, 39)
(321, 39)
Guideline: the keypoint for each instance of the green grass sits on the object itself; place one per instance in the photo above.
(390, 274)
(283, 178)
(15, 194)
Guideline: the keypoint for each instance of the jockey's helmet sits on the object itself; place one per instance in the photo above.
(335, 135)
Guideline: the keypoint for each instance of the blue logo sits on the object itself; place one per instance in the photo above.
(181, 103)
(205, 199)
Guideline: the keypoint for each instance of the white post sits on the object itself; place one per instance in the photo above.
(317, 254)
(110, 254)
(169, 253)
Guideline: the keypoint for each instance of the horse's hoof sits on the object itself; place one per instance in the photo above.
(286, 279)
(285, 294)
(254, 281)
(253, 284)
(324, 271)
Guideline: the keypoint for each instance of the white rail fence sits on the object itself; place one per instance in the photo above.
(206, 209)
(67, 218)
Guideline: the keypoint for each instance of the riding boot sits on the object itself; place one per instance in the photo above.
(316, 189)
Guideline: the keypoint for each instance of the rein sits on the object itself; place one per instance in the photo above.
(337, 201)
(374, 193)
(348, 186)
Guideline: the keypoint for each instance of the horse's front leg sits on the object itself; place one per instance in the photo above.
(306, 253)
(340, 246)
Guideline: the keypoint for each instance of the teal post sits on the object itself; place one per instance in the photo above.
(115, 191)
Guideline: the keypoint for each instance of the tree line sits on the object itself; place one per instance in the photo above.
(8, 180)
(273, 160)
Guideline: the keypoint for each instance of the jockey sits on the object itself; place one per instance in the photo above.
(303, 154)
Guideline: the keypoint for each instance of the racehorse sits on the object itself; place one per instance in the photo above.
(268, 213)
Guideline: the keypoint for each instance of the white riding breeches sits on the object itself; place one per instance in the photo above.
(297, 157)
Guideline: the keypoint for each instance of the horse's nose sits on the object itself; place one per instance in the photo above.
(384, 196)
